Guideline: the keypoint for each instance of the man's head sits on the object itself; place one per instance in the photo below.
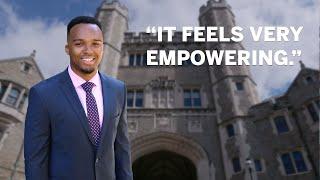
(84, 45)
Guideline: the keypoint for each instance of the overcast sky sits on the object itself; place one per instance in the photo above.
(41, 25)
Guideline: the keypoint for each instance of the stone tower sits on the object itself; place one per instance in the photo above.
(233, 88)
(114, 19)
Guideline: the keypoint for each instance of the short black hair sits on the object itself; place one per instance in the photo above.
(83, 20)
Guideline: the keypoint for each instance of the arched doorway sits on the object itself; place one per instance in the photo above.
(172, 145)
(164, 165)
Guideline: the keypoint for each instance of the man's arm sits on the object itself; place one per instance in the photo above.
(122, 146)
(36, 139)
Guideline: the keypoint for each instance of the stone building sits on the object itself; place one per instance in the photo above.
(17, 76)
(283, 131)
(190, 122)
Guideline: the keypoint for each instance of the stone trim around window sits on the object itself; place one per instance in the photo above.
(135, 98)
(290, 152)
(285, 114)
(21, 99)
(314, 125)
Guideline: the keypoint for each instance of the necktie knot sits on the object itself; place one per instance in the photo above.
(87, 86)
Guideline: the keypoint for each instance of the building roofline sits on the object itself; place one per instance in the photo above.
(31, 57)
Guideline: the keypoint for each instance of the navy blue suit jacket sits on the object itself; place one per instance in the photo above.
(58, 144)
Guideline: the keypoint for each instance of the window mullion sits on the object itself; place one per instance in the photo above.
(293, 162)
(134, 98)
(20, 97)
(6, 93)
(167, 98)
(191, 97)
(159, 97)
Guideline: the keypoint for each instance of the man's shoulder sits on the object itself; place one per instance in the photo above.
(111, 81)
(48, 84)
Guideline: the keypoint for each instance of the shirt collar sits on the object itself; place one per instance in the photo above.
(77, 80)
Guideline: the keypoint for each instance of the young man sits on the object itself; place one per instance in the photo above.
(76, 123)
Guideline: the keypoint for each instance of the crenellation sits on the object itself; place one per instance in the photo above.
(113, 5)
(215, 5)
(143, 37)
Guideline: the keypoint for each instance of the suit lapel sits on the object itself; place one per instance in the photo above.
(108, 107)
(72, 96)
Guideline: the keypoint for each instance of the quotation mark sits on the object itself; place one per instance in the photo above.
(152, 30)
(296, 52)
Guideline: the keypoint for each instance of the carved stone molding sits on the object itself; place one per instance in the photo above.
(167, 141)
(194, 125)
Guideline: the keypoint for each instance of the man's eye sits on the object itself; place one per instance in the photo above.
(78, 44)
(96, 44)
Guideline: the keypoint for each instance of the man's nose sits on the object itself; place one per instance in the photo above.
(87, 48)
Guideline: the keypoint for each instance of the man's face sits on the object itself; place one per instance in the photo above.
(85, 48)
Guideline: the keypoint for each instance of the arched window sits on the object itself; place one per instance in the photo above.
(191, 98)
(230, 130)
(281, 124)
(13, 96)
(135, 98)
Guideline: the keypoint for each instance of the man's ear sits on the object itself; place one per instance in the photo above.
(66, 48)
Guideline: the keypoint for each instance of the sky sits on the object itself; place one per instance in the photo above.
(41, 25)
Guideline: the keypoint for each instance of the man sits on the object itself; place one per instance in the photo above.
(76, 127)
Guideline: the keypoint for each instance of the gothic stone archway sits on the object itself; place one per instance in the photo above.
(165, 144)
(164, 165)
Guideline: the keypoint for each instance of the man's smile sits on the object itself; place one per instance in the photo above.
(88, 60)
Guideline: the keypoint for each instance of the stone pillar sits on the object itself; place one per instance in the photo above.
(114, 19)
(6, 93)
(20, 97)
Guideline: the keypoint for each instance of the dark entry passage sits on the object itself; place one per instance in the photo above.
(164, 165)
